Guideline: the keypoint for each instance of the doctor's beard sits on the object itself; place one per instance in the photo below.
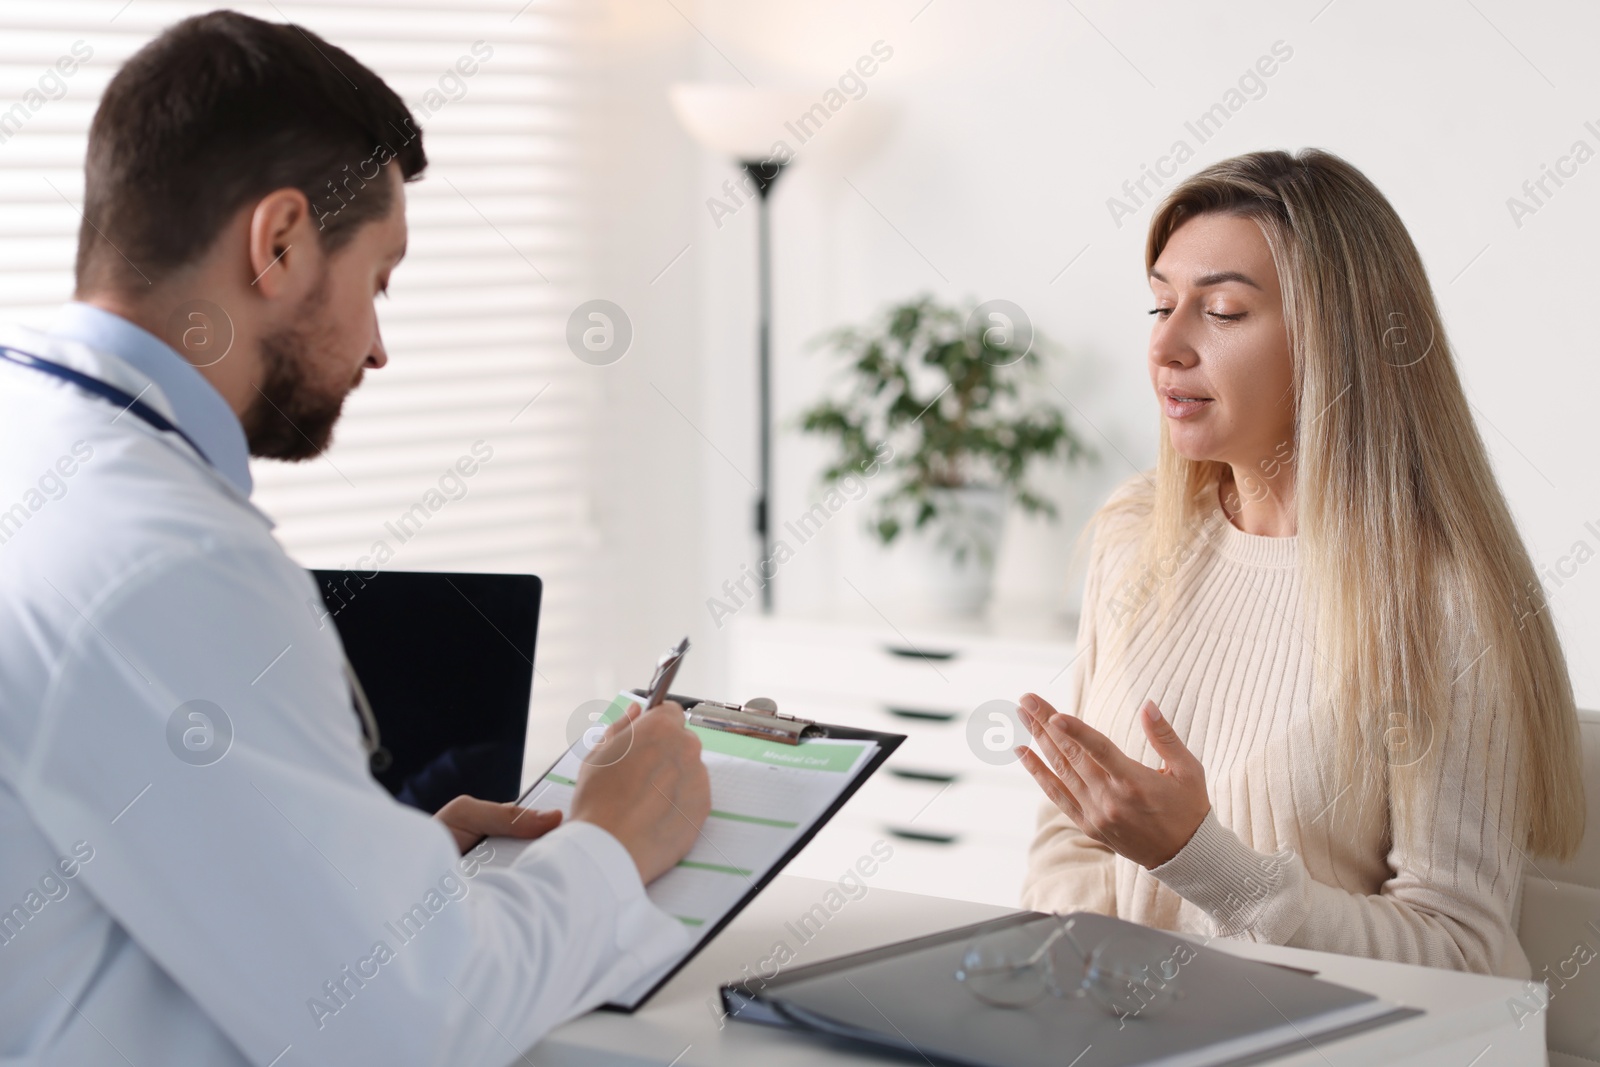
(294, 410)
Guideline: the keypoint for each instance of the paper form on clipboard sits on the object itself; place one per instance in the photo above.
(767, 799)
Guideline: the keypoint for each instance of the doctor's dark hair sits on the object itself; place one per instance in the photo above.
(215, 113)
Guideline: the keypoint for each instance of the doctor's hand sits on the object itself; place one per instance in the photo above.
(469, 819)
(1144, 814)
(645, 785)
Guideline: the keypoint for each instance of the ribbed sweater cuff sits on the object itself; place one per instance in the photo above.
(1221, 875)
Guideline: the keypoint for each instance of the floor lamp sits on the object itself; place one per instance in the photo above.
(747, 124)
(765, 176)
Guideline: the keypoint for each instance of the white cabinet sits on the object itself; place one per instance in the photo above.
(959, 825)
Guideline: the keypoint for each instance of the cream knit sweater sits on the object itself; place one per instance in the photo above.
(1282, 857)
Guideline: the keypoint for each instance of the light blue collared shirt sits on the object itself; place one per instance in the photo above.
(200, 409)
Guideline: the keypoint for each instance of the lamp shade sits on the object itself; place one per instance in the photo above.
(737, 120)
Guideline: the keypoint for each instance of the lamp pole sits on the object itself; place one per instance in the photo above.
(765, 175)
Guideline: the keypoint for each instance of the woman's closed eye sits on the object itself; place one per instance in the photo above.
(1214, 314)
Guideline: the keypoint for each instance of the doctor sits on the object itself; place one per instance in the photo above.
(235, 888)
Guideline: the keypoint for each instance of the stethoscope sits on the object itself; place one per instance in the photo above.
(378, 757)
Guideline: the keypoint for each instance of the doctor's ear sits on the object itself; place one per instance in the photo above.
(281, 244)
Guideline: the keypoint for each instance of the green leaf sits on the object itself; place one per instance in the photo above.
(958, 409)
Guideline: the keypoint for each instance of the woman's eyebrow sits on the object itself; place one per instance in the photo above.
(1214, 278)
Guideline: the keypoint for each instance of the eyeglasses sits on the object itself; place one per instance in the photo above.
(1015, 967)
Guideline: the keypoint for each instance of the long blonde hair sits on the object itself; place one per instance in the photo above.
(1400, 520)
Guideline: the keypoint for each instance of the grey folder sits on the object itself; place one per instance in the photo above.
(905, 996)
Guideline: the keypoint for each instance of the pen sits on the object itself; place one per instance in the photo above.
(666, 670)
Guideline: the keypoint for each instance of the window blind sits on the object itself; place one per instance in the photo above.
(472, 449)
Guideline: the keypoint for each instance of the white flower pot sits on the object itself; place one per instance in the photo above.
(950, 571)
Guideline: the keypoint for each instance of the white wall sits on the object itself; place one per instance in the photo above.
(645, 480)
(1012, 122)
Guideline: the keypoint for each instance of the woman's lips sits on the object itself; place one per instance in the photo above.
(1182, 409)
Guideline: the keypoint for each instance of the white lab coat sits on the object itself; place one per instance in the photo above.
(160, 912)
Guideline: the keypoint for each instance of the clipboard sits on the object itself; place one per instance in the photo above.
(754, 719)
(850, 998)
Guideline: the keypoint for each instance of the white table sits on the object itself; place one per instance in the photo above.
(1467, 1022)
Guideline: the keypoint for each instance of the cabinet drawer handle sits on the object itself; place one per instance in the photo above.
(918, 653)
(922, 776)
(923, 714)
(927, 837)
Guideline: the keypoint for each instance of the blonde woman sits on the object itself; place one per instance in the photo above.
(1317, 699)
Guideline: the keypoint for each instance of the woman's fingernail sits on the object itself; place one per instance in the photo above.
(1029, 702)
(1152, 711)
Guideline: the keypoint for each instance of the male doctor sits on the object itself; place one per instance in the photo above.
(235, 888)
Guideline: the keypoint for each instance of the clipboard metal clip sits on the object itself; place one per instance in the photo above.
(758, 718)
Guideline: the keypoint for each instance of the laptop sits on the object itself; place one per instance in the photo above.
(446, 660)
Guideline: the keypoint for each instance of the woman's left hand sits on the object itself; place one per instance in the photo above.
(469, 818)
(1144, 814)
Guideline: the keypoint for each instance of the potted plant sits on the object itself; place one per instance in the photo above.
(944, 388)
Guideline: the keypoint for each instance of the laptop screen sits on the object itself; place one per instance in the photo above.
(446, 661)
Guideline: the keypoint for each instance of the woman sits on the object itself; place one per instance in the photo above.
(1315, 616)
